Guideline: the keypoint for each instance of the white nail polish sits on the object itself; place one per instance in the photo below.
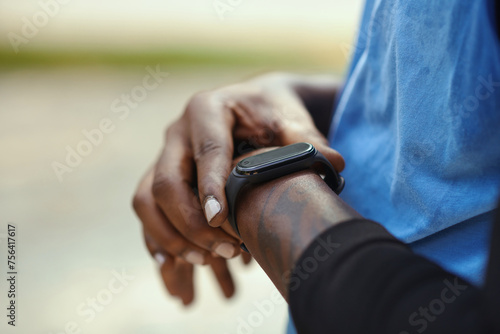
(194, 257)
(212, 207)
(225, 250)
(160, 258)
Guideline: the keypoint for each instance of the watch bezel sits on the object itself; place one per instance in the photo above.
(303, 151)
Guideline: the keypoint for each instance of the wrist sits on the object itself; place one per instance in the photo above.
(278, 219)
(256, 200)
(272, 202)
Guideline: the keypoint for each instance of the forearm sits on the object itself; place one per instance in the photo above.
(345, 268)
(279, 219)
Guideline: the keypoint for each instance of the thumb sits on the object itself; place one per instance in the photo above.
(331, 155)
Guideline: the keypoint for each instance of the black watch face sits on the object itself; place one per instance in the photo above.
(278, 157)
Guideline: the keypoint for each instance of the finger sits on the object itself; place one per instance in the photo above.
(162, 258)
(172, 271)
(160, 230)
(282, 123)
(211, 124)
(226, 227)
(172, 188)
(179, 280)
(246, 258)
(223, 276)
(322, 145)
(334, 157)
(151, 246)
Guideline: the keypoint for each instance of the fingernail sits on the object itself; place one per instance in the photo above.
(212, 207)
(225, 250)
(160, 258)
(194, 257)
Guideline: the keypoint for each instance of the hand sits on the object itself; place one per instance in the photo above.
(198, 151)
(176, 272)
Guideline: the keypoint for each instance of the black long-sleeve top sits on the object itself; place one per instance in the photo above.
(357, 278)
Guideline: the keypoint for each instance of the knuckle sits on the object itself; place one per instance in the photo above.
(151, 249)
(166, 240)
(197, 99)
(170, 132)
(190, 232)
(139, 201)
(173, 245)
(276, 125)
(173, 129)
(162, 185)
(196, 231)
(205, 148)
(275, 76)
(213, 182)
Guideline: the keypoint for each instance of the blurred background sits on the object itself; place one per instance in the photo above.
(62, 65)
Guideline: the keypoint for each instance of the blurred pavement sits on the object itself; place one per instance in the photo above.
(75, 236)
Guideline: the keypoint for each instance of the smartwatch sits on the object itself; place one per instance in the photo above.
(274, 164)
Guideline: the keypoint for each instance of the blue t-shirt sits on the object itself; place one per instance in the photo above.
(418, 123)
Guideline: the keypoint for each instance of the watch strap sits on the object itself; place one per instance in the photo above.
(335, 181)
(236, 182)
(233, 186)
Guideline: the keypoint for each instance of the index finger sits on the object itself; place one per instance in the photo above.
(212, 123)
(172, 188)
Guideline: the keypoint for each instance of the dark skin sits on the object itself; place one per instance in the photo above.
(183, 228)
(279, 219)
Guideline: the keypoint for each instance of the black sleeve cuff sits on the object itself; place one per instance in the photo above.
(358, 278)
